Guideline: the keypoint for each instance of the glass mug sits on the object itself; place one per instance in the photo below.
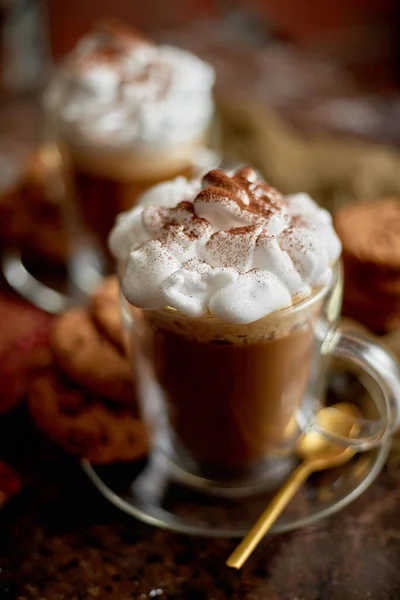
(40, 226)
(108, 181)
(225, 403)
(57, 221)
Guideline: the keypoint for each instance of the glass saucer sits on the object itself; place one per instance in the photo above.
(150, 491)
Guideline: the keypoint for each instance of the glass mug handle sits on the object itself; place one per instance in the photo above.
(14, 270)
(374, 360)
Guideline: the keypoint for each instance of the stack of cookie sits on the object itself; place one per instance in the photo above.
(84, 397)
(370, 234)
(32, 207)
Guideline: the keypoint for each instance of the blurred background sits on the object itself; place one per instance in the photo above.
(302, 72)
(308, 92)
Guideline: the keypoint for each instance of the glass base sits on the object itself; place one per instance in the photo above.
(155, 493)
(265, 476)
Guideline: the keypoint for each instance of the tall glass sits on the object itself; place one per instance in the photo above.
(39, 226)
(225, 403)
(108, 181)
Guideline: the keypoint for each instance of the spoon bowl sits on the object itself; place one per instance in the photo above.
(339, 419)
(318, 454)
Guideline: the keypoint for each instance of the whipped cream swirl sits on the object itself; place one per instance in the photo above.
(117, 88)
(230, 246)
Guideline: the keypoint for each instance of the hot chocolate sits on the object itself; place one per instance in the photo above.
(231, 390)
(104, 192)
(132, 114)
(233, 278)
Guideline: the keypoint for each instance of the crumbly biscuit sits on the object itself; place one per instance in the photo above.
(370, 232)
(24, 335)
(82, 423)
(369, 305)
(381, 288)
(373, 279)
(90, 359)
(105, 311)
(365, 269)
(370, 299)
(379, 321)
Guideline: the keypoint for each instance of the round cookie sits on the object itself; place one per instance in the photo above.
(370, 299)
(376, 317)
(81, 423)
(370, 232)
(381, 288)
(105, 311)
(90, 359)
(370, 278)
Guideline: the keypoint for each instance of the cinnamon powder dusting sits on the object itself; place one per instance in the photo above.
(114, 42)
(250, 193)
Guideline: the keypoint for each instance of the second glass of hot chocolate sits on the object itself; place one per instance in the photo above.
(239, 287)
(131, 114)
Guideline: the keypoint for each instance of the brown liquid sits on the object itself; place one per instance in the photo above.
(231, 399)
(101, 198)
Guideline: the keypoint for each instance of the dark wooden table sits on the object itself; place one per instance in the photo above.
(60, 540)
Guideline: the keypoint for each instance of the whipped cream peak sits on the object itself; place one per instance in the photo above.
(240, 200)
(117, 88)
(230, 246)
(244, 188)
(111, 44)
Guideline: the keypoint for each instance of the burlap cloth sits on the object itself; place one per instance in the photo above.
(333, 169)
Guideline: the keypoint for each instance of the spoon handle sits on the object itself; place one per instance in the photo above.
(269, 516)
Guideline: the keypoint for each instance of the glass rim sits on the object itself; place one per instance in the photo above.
(319, 294)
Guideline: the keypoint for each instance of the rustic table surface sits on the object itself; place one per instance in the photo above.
(60, 540)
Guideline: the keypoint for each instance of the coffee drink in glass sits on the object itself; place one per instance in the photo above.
(131, 114)
(234, 280)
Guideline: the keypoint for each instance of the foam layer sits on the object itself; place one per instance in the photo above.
(230, 246)
(117, 88)
(137, 164)
(208, 329)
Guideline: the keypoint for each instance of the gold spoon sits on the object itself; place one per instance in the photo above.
(318, 454)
